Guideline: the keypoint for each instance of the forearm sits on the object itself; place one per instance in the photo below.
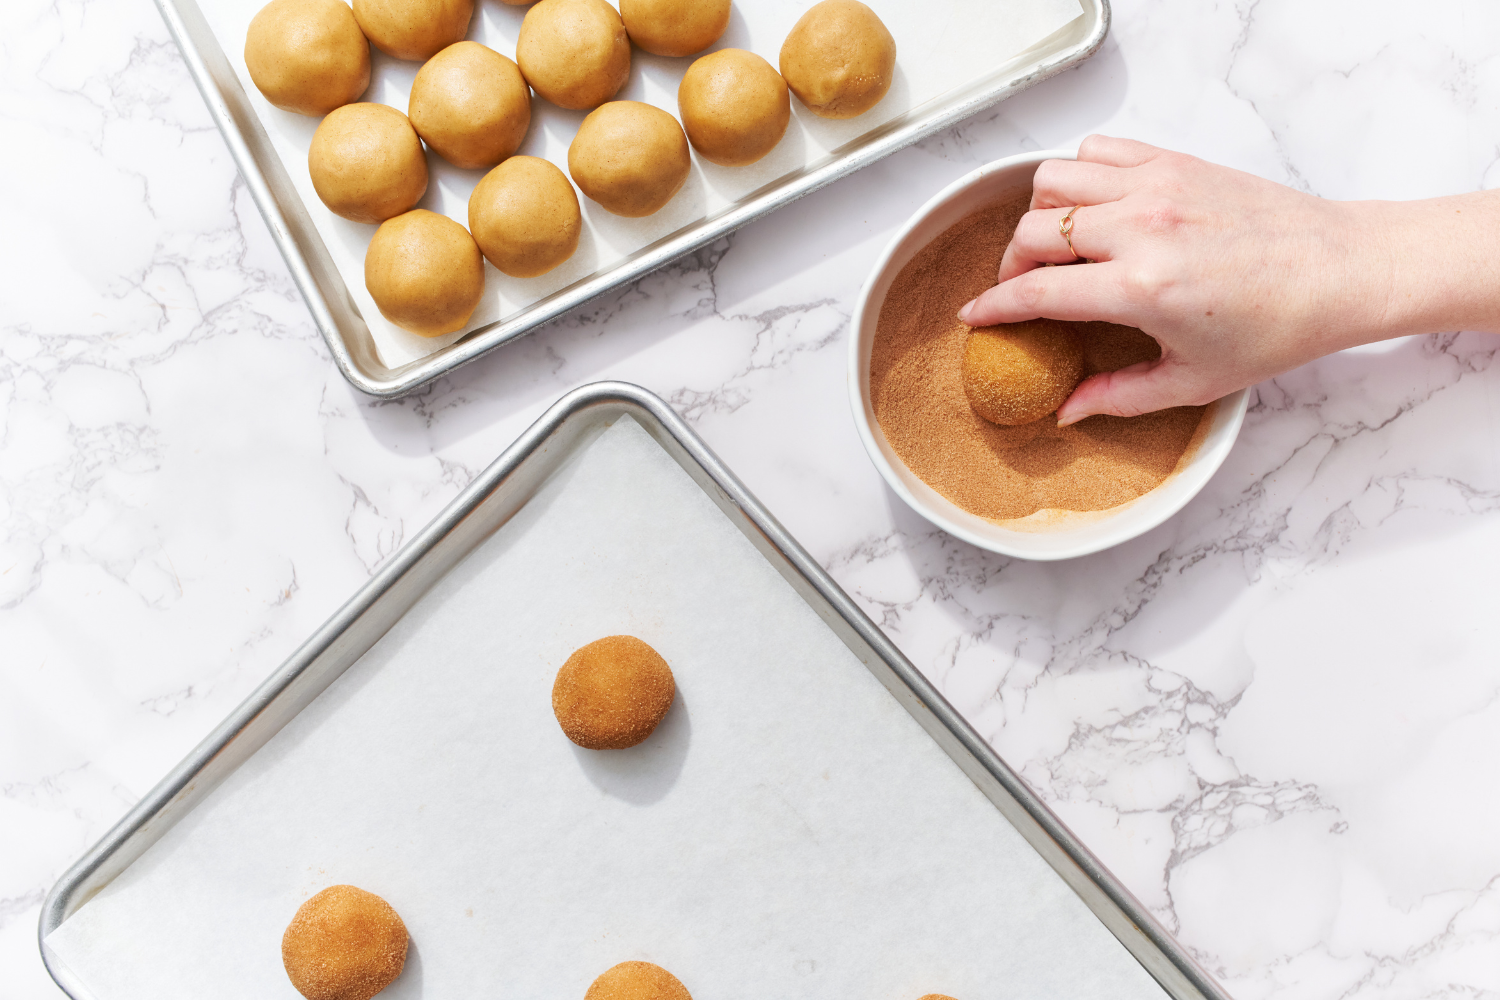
(1440, 264)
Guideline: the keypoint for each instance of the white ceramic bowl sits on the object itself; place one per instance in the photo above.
(1079, 536)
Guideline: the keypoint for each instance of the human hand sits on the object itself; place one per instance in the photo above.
(1236, 277)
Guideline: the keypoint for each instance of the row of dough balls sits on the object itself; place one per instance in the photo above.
(472, 106)
(348, 944)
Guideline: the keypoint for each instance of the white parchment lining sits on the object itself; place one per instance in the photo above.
(788, 832)
(941, 45)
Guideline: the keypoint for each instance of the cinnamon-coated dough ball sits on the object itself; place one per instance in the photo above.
(674, 27)
(367, 163)
(839, 59)
(525, 217)
(471, 105)
(425, 273)
(611, 694)
(734, 106)
(343, 944)
(1015, 373)
(414, 29)
(307, 56)
(575, 53)
(637, 981)
(629, 157)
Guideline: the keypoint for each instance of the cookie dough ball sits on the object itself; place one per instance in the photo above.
(525, 217)
(414, 29)
(343, 944)
(575, 53)
(425, 273)
(307, 56)
(839, 59)
(609, 695)
(674, 27)
(637, 981)
(629, 157)
(367, 163)
(1019, 372)
(734, 106)
(471, 105)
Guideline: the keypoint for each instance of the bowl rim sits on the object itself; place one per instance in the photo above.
(1202, 466)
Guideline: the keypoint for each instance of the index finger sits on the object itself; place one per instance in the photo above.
(1080, 292)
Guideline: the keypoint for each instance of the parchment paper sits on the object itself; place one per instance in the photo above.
(788, 832)
(940, 46)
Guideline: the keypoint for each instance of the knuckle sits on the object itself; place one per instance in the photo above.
(1031, 230)
(1048, 173)
(1175, 172)
(1146, 287)
(1133, 406)
(1030, 294)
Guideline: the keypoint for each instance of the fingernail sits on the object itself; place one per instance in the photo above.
(963, 313)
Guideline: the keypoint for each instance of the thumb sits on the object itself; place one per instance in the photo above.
(1129, 392)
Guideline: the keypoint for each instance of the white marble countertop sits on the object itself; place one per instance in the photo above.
(1277, 717)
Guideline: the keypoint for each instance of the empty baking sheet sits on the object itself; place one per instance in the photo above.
(790, 830)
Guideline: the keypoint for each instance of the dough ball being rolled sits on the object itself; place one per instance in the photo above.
(367, 163)
(343, 944)
(471, 105)
(425, 273)
(637, 981)
(839, 59)
(629, 157)
(414, 29)
(307, 56)
(1015, 373)
(575, 53)
(612, 694)
(674, 27)
(734, 106)
(525, 217)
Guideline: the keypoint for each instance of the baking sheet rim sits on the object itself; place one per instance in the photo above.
(510, 482)
(327, 295)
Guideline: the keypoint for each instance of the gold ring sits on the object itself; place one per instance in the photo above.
(1066, 228)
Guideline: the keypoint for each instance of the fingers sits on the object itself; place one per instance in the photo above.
(1039, 240)
(1085, 292)
(1116, 152)
(1065, 183)
(1129, 392)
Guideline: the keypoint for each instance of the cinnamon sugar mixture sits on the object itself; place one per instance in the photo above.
(1001, 473)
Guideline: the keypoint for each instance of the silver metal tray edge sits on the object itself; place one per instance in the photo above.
(334, 311)
(493, 498)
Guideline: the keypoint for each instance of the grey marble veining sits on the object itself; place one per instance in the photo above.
(1277, 716)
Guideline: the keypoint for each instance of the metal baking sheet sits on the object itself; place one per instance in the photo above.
(381, 360)
(492, 506)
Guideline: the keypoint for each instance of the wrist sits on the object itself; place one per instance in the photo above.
(1434, 263)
